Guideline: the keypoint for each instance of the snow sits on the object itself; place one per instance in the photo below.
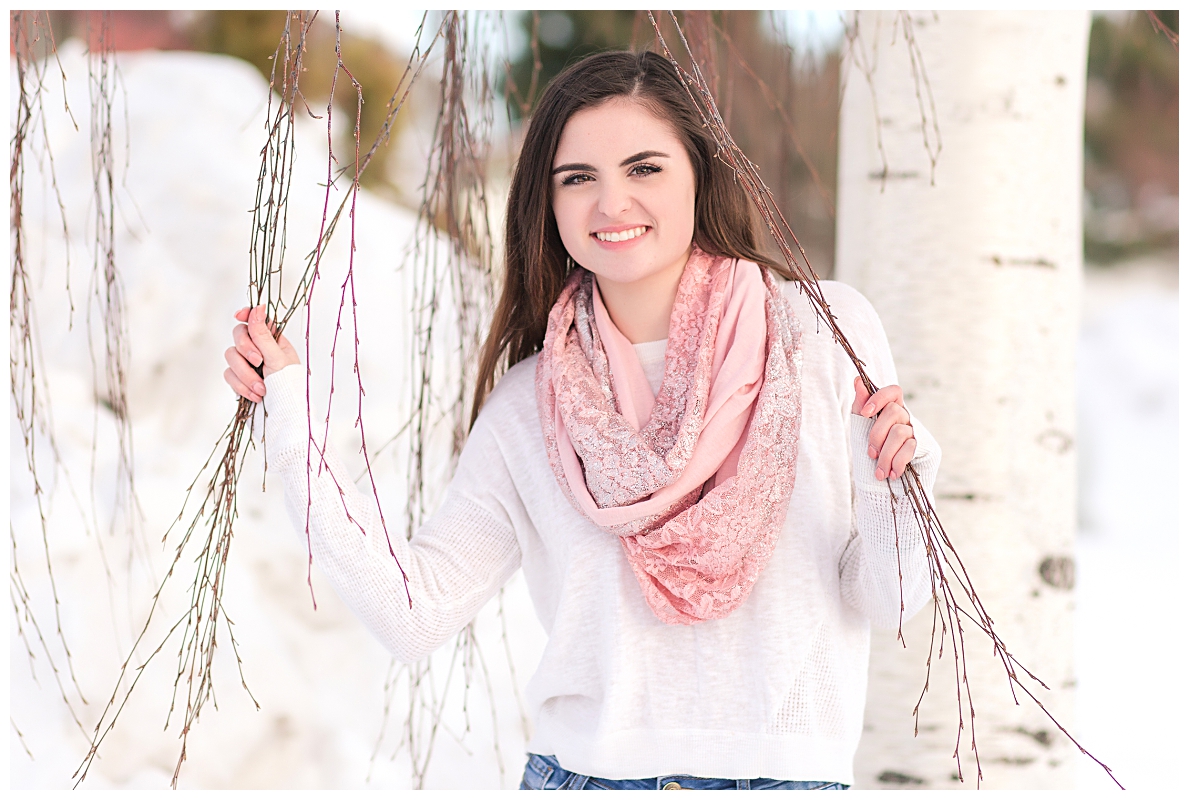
(196, 126)
(1131, 601)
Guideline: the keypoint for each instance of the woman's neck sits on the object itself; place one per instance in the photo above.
(641, 309)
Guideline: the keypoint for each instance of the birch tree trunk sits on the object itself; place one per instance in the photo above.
(974, 266)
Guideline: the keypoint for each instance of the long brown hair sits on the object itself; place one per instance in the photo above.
(535, 260)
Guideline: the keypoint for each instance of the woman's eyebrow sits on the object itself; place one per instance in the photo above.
(641, 156)
(573, 168)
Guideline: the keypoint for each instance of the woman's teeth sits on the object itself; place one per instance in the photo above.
(621, 236)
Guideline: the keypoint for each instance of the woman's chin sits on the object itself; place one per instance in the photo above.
(642, 264)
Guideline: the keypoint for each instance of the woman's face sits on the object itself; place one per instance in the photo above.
(623, 195)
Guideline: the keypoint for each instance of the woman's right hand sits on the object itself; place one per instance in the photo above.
(255, 346)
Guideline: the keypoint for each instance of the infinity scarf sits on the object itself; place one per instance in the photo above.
(696, 481)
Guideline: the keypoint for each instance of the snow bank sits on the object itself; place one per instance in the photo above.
(195, 126)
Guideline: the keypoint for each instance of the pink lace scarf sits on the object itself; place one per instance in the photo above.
(696, 481)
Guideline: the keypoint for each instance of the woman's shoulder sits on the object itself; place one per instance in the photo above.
(840, 296)
(513, 401)
(859, 322)
(848, 305)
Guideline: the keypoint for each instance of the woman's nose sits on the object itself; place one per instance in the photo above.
(614, 199)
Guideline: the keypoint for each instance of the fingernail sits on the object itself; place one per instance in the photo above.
(259, 360)
(258, 388)
(868, 409)
(871, 451)
(878, 474)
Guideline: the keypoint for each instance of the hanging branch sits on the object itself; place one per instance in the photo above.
(857, 54)
(921, 79)
(217, 512)
(417, 61)
(452, 259)
(348, 285)
(524, 103)
(699, 33)
(107, 291)
(454, 202)
(950, 580)
(776, 105)
(31, 32)
(215, 516)
(1159, 26)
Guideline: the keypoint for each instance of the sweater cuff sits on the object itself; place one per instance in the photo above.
(285, 404)
(862, 464)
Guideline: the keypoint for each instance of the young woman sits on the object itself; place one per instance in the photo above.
(682, 462)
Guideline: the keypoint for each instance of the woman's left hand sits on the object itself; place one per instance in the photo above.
(891, 441)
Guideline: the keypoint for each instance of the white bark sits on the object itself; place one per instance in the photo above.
(976, 277)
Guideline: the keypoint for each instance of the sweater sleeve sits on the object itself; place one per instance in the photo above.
(884, 568)
(412, 595)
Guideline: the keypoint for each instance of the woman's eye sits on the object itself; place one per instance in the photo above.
(645, 169)
(576, 178)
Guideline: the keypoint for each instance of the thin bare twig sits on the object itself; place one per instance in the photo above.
(866, 62)
(775, 104)
(1159, 26)
(216, 514)
(524, 103)
(217, 511)
(31, 32)
(454, 268)
(921, 79)
(21, 738)
(106, 288)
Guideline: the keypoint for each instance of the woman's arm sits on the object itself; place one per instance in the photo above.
(413, 595)
(452, 566)
(884, 569)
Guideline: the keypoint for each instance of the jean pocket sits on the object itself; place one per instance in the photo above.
(537, 772)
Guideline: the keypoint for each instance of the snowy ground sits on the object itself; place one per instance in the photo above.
(320, 679)
(1131, 600)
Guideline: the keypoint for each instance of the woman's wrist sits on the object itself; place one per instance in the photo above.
(286, 406)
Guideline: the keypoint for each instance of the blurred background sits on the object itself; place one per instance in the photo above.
(1131, 175)
(785, 117)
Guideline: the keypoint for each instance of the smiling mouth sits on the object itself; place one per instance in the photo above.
(621, 236)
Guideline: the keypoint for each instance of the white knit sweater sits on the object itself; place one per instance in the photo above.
(774, 690)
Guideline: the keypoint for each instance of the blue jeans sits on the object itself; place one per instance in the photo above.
(543, 772)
